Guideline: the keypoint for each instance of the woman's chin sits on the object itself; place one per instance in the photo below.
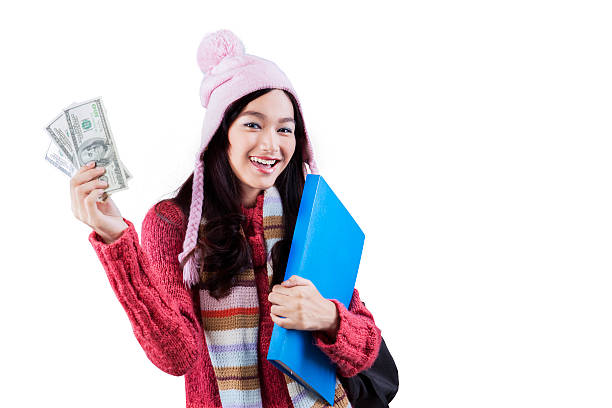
(261, 183)
(261, 180)
(265, 186)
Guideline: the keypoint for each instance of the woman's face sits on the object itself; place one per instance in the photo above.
(264, 129)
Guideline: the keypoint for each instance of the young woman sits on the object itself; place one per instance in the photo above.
(205, 288)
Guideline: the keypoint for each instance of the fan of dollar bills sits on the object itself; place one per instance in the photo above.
(80, 134)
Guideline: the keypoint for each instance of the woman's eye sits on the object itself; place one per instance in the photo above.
(285, 130)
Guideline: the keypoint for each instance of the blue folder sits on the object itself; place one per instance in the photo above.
(326, 249)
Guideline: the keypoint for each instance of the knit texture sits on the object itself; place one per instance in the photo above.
(231, 327)
(166, 317)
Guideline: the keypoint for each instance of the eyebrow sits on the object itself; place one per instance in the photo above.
(262, 116)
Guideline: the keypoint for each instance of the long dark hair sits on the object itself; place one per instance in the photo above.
(223, 249)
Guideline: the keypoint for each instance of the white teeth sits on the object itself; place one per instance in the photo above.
(270, 162)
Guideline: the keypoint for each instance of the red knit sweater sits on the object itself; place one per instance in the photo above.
(166, 320)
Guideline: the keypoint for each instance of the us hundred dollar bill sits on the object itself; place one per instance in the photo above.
(91, 139)
(60, 135)
(61, 140)
(56, 156)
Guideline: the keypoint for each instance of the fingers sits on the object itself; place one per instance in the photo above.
(93, 213)
(86, 174)
(296, 280)
(279, 310)
(87, 166)
(285, 322)
(79, 187)
(80, 171)
(281, 290)
(283, 299)
(86, 188)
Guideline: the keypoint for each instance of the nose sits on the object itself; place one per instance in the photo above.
(269, 141)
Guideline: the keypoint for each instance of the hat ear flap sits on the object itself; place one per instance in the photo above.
(186, 258)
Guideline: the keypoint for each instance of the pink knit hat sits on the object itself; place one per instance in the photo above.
(229, 74)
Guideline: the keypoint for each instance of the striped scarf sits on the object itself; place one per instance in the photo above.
(231, 329)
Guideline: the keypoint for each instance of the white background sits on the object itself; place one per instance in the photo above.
(471, 141)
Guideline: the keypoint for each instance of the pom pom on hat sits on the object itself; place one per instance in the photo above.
(216, 46)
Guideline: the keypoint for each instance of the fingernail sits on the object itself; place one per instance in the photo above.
(91, 164)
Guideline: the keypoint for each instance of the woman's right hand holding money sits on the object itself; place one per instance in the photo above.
(104, 217)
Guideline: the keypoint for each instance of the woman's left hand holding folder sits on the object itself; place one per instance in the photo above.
(302, 306)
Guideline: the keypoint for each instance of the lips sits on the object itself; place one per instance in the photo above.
(266, 157)
(264, 168)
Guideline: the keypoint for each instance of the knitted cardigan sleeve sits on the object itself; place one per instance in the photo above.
(357, 341)
(147, 280)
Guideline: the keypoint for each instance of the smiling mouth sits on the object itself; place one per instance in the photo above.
(265, 161)
(266, 168)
